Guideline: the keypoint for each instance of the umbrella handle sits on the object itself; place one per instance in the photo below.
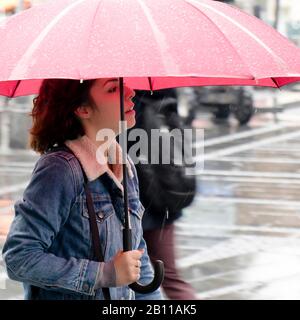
(158, 268)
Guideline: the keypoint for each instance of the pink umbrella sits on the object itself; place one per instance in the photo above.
(152, 44)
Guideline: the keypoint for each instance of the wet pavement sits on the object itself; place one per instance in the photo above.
(240, 239)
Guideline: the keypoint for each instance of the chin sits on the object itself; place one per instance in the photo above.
(130, 124)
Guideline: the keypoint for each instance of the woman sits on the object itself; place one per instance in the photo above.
(49, 245)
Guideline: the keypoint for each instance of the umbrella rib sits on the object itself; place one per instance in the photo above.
(100, 2)
(162, 45)
(150, 84)
(254, 37)
(222, 34)
(275, 82)
(21, 68)
(15, 88)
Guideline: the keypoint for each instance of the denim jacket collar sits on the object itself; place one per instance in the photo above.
(93, 160)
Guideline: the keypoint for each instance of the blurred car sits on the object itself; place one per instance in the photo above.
(223, 101)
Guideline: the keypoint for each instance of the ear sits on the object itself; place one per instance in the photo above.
(83, 112)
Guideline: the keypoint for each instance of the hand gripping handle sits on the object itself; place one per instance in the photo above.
(158, 268)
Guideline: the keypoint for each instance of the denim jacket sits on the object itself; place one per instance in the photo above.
(49, 245)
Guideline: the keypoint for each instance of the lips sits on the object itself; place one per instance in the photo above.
(130, 108)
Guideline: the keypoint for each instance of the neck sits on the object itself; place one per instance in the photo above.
(104, 141)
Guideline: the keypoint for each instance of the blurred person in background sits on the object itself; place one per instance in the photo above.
(165, 189)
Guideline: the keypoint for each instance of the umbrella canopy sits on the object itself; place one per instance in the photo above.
(152, 44)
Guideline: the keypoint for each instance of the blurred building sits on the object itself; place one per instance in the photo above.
(15, 123)
(9, 7)
(14, 113)
(282, 14)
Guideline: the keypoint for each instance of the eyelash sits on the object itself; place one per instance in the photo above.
(114, 89)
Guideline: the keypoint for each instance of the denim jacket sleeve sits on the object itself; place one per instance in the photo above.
(45, 207)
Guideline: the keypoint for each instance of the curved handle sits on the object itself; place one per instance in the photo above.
(158, 268)
(156, 282)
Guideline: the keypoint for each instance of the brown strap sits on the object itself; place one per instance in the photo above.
(95, 234)
(98, 255)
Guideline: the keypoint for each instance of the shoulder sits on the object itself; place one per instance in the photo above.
(60, 159)
(62, 165)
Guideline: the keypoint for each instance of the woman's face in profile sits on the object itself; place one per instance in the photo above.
(105, 94)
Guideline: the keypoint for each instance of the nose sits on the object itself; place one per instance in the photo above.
(129, 93)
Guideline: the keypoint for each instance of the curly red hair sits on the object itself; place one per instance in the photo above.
(54, 120)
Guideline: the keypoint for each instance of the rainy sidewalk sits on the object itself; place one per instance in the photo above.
(241, 238)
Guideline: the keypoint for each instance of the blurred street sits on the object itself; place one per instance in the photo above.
(240, 239)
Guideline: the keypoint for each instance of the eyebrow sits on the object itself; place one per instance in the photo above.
(110, 80)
